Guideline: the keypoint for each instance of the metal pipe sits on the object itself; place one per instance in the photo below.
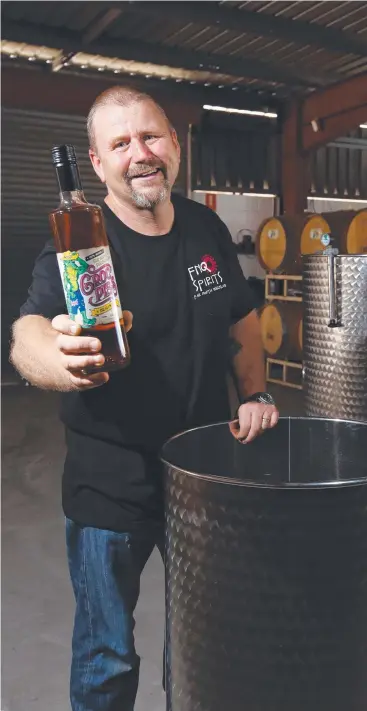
(333, 313)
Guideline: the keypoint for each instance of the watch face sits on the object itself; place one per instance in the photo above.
(266, 398)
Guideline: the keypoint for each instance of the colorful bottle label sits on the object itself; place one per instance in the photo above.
(90, 286)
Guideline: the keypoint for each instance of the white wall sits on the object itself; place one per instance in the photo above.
(242, 213)
(326, 205)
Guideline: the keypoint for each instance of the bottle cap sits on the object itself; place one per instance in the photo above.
(64, 154)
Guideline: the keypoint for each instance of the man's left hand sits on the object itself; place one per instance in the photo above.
(254, 418)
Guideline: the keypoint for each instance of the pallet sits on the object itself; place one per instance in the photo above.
(287, 367)
(284, 280)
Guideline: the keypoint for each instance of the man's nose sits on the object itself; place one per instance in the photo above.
(140, 150)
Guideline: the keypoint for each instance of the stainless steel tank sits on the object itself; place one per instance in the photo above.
(335, 336)
(266, 555)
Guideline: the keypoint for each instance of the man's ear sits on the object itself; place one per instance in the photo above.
(97, 165)
(176, 143)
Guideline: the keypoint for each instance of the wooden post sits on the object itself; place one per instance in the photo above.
(295, 164)
(335, 111)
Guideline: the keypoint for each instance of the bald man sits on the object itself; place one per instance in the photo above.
(194, 318)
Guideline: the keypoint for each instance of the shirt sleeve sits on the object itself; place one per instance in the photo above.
(46, 293)
(242, 297)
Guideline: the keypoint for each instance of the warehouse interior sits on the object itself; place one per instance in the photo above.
(269, 101)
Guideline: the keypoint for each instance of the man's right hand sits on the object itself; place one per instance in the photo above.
(78, 352)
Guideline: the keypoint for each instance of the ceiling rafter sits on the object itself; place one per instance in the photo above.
(98, 26)
(211, 14)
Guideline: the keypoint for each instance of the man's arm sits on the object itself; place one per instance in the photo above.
(248, 355)
(48, 350)
(247, 351)
(48, 355)
(33, 351)
(249, 371)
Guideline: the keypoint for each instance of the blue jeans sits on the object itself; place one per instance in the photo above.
(105, 569)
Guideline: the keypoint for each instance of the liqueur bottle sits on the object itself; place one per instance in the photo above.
(85, 264)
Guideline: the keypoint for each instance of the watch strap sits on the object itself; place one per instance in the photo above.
(263, 397)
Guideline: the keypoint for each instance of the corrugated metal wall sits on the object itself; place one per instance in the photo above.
(340, 171)
(231, 159)
(249, 160)
(30, 192)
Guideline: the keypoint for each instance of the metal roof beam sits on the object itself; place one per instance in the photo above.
(213, 15)
(70, 92)
(157, 54)
(61, 60)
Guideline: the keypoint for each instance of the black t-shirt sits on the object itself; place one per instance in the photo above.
(185, 289)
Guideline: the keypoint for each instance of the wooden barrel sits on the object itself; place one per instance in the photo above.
(281, 240)
(281, 330)
(348, 228)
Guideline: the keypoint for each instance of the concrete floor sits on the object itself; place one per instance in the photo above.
(37, 601)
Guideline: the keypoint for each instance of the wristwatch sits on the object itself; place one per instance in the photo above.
(265, 398)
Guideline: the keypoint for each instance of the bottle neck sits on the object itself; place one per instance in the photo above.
(68, 197)
(70, 186)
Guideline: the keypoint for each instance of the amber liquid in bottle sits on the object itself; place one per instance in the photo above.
(85, 264)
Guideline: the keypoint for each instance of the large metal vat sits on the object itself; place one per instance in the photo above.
(266, 569)
(335, 336)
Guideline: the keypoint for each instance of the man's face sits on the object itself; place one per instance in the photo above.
(136, 153)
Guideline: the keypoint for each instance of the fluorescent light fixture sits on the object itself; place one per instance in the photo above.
(229, 192)
(334, 199)
(248, 112)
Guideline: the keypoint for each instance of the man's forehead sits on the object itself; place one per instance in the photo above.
(140, 113)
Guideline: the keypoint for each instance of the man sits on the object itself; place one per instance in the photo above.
(179, 275)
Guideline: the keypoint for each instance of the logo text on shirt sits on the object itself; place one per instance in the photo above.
(206, 277)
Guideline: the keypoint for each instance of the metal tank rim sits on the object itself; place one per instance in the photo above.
(252, 483)
(339, 255)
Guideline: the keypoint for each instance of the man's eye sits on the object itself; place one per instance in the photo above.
(122, 144)
(149, 137)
